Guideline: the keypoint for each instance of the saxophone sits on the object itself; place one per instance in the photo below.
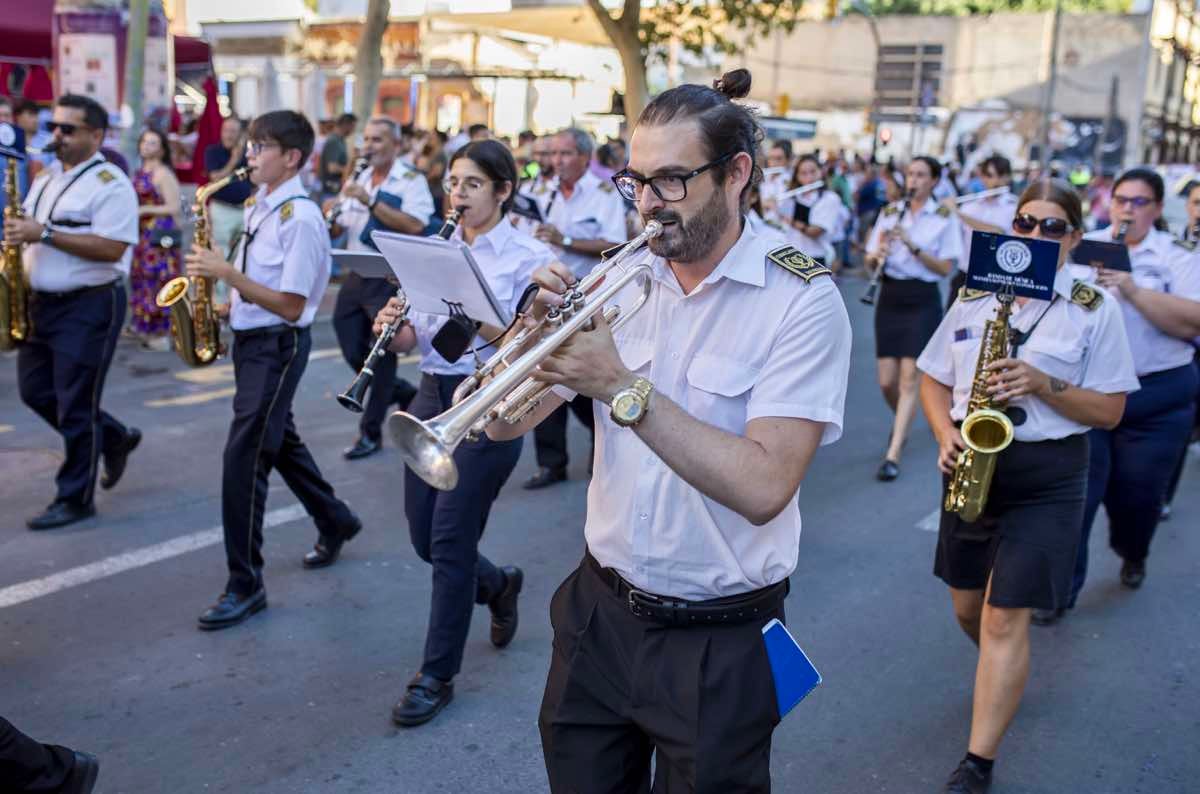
(14, 294)
(195, 327)
(986, 430)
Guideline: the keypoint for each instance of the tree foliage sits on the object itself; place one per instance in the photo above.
(969, 7)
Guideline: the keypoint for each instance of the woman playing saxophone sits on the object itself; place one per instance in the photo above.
(1064, 369)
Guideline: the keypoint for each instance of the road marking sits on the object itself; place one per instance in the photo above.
(128, 561)
(192, 399)
(930, 522)
(6, 428)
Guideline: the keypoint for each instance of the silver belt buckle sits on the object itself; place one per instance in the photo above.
(632, 601)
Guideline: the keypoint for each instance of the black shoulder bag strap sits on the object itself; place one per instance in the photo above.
(38, 203)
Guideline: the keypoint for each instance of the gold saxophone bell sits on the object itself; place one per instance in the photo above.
(502, 389)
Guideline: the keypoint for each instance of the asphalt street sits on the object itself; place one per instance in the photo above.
(99, 649)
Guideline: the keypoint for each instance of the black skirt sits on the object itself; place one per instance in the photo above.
(906, 316)
(1029, 533)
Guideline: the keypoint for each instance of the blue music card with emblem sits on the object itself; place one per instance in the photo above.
(12, 141)
(1022, 265)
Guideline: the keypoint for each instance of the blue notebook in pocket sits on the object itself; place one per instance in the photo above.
(794, 674)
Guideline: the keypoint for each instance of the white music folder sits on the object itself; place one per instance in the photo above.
(434, 272)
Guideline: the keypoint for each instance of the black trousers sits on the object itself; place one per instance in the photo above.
(267, 369)
(445, 527)
(28, 766)
(61, 371)
(358, 301)
(701, 698)
(551, 435)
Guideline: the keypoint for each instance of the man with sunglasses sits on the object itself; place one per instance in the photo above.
(391, 195)
(710, 404)
(276, 285)
(80, 220)
(584, 216)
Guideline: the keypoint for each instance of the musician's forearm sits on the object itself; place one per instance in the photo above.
(89, 246)
(594, 247)
(397, 219)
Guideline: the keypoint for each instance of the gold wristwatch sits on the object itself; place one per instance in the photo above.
(629, 405)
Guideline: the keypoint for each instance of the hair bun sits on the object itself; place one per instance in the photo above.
(734, 84)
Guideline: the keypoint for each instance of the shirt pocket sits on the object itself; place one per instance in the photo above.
(965, 352)
(1058, 357)
(719, 390)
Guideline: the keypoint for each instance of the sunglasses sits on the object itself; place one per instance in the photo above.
(1052, 228)
(66, 129)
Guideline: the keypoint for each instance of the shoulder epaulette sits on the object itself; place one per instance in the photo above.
(249, 202)
(105, 176)
(943, 211)
(1086, 295)
(890, 209)
(965, 294)
(285, 212)
(802, 265)
(1187, 245)
(606, 187)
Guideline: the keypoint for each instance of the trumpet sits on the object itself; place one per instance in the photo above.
(501, 388)
(872, 290)
(352, 398)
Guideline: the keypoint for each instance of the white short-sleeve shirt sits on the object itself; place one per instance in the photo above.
(101, 201)
(932, 229)
(752, 340)
(594, 211)
(507, 257)
(824, 210)
(996, 211)
(1085, 347)
(1163, 264)
(286, 248)
(403, 181)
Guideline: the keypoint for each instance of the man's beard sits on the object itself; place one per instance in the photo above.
(690, 240)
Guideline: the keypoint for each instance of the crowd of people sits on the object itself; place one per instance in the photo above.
(705, 409)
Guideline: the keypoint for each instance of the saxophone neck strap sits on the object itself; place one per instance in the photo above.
(1018, 338)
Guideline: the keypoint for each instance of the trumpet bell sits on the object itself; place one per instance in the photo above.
(172, 291)
(425, 452)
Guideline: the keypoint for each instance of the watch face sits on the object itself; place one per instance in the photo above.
(627, 407)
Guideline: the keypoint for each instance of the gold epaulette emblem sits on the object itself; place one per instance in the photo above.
(1086, 296)
(249, 202)
(965, 294)
(943, 212)
(105, 177)
(285, 212)
(606, 187)
(410, 174)
(797, 263)
(1187, 245)
(890, 209)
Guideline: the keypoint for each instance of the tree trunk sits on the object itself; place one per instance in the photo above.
(368, 63)
(623, 33)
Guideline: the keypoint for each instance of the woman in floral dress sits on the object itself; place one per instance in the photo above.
(156, 257)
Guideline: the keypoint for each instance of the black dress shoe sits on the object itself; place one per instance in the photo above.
(1133, 573)
(504, 607)
(403, 393)
(83, 776)
(231, 609)
(545, 476)
(326, 552)
(426, 696)
(888, 471)
(1047, 617)
(114, 462)
(59, 514)
(968, 779)
(363, 448)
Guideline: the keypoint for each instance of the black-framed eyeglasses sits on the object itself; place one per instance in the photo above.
(1052, 228)
(668, 187)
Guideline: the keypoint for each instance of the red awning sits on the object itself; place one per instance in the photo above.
(192, 51)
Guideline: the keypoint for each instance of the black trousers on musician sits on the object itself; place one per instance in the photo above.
(267, 366)
(61, 372)
(701, 699)
(358, 301)
(28, 766)
(551, 435)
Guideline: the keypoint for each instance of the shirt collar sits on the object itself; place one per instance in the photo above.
(399, 169)
(1064, 281)
(77, 168)
(288, 190)
(740, 263)
(497, 237)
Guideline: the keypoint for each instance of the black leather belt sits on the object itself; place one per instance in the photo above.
(671, 611)
(73, 293)
(266, 330)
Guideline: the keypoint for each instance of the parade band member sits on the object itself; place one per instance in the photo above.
(29, 767)
(813, 217)
(446, 525)
(276, 286)
(916, 245)
(1132, 464)
(993, 214)
(1069, 373)
(728, 379)
(81, 217)
(1191, 233)
(394, 196)
(586, 217)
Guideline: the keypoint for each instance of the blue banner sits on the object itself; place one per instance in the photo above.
(1001, 262)
(12, 141)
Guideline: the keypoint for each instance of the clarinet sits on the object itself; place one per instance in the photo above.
(331, 219)
(352, 398)
(1122, 230)
(873, 287)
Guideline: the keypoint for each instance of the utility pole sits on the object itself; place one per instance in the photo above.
(135, 77)
(1048, 105)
